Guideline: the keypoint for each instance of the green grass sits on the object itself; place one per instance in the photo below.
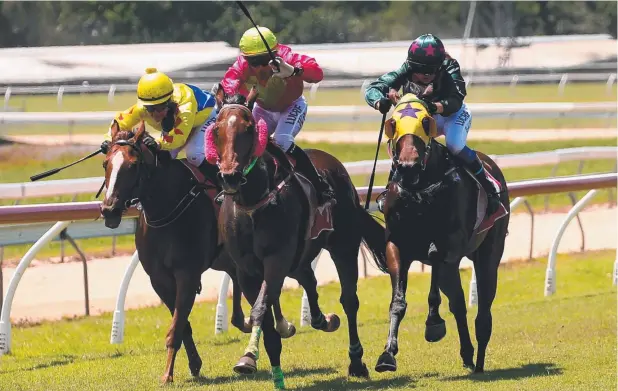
(564, 342)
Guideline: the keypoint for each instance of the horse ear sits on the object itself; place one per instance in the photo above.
(219, 93)
(252, 97)
(429, 126)
(141, 130)
(114, 129)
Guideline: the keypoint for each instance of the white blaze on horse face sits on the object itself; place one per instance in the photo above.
(231, 121)
(117, 161)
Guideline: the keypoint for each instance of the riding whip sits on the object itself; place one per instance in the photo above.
(246, 12)
(375, 162)
(57, 170)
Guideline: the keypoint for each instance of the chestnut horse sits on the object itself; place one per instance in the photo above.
(265, 225)
(176, 236)
(433, 214)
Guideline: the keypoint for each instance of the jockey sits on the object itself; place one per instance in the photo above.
(280, 102)
(435, 77)
(180, 111)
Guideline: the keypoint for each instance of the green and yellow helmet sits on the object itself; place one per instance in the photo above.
(154, 88)
(251, 44)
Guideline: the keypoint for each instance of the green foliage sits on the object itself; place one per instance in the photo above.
(92, 22)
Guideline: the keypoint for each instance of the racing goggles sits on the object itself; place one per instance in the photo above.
(261, 60)
(158, 108)
(424, 69)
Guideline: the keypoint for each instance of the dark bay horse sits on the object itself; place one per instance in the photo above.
(264, 223)
(431, 215)
(176, 236)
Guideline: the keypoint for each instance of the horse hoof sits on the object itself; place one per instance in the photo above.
(479, 370)
(469, 367)
(167, 379)
(435, 332)
(286, 330)
(195, 367)
(243, 325)
(333, 323)
(358, 370)
(246, 365)
(386, 362)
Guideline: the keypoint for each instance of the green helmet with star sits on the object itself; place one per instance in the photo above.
(426, 54)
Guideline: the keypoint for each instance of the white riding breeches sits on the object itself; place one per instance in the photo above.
(194, 147)
(286, 124)
(455, 128)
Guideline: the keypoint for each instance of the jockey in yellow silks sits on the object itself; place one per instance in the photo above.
(181, 112)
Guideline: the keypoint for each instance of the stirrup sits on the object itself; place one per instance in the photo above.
(380, 200)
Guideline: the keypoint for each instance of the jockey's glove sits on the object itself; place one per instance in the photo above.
(384, 105)
(105, 146)
(151, 143)
(285, 70)
(431, 107)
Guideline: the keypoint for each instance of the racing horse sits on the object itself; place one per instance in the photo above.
(176, 235)
(272, 229)
(435, 212)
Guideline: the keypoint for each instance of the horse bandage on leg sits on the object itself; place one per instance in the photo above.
(254, 342)
(278, 378)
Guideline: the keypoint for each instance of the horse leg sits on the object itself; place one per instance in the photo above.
(284, 328)
(487, 280)
(238, 317)
(435, 327)
(398, 270)
(186, 288)
(450, 284)
(165, 289)
(346, 261)
(319, 321)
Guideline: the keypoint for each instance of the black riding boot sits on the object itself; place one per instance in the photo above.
(493, 200)
(305, 166)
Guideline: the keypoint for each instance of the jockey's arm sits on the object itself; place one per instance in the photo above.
(234, 79)
(379, 89)
(126, 119)
(311, 71)
(456, 90)
(178, 136)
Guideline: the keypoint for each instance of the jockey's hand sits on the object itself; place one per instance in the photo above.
(285, 70)
(384, 105)
(151, 143)
(105, 145)
(431, 107)
(394, 96)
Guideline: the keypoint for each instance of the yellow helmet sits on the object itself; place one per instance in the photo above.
(154, 88)
(251, 44)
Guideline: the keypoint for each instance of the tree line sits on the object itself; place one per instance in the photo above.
(91, 22)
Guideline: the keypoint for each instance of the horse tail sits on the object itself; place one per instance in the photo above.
(374, 237)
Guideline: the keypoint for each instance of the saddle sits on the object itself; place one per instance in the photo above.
(320, 217)
(484, 222)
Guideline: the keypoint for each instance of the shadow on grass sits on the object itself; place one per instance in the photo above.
(524, 371)
(262, 375)
(344, 383)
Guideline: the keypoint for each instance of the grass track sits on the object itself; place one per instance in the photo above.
(565, 342)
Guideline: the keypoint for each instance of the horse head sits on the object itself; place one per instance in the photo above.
(235, 141)
(410, 131)
(125, 167)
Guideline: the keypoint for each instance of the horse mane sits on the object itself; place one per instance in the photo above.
(236, 99)
(124, 135)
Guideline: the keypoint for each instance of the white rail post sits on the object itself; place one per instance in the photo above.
(550, 274)
(314, 90)
(562, 84)
(59, 96)
(615, 274)
(5, 316)
(7, 97)
(473, 295)
(221, 311)
(610, 83)
(117, 335)
(110, 94)
(305, 313)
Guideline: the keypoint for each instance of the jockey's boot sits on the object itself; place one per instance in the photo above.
(493, 199)
(305, 166)
(382, 197)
